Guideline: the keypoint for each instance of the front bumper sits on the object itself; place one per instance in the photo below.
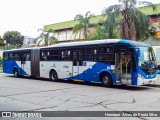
(143, 81)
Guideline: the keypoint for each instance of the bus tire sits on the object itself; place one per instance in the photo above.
(53, 75)
(15, 72)
(106, 80)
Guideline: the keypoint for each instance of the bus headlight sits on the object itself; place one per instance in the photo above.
(139, 75)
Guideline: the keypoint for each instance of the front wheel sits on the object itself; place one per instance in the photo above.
(53, 76)
(107, 80)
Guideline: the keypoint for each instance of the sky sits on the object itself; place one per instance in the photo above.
(27, 16)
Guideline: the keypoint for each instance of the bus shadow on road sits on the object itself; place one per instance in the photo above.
(132, 88)
(92, 84)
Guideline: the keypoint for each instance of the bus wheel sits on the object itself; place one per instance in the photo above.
(15, 72)
(53, 75)
(106, 80)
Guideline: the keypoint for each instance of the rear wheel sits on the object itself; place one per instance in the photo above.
(53, 75)
(15, 72)
(107, 80)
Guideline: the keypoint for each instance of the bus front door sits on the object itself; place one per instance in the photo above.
(77, 64)
(123, 67)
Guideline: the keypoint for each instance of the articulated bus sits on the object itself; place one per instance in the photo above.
(110, 62)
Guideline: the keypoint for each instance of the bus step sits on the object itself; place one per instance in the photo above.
(124, 76)
(118, 81)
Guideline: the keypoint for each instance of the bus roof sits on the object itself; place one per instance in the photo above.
(105, 41)
(94, 42)
(81, 43)
(18, 49)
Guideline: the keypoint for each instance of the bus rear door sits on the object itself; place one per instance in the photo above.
(77, 64)
(23, 70)
(25, 63)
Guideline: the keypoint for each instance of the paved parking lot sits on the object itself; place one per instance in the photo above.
(25, 94)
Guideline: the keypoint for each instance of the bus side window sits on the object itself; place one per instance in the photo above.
(43, 55)
(74, 57)
(23, 56)
(56, 55)
(52, 55)
(28, 57)
(89, 54)
(105, 53)
(5, 56)
(16, 56)
(46, 55)
(10, 56)
(65, 55)
(95, 54)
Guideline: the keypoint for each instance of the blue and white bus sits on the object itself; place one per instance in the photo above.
(110, 62)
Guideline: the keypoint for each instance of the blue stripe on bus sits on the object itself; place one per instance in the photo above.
(145, 75)
(134, 77)
(8, 67)
(93, 73)
(127, 42)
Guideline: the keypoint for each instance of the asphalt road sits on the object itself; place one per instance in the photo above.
(26, 94)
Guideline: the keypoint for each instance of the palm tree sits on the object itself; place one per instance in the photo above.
(132, 23)
(84, 24)
(45, 38)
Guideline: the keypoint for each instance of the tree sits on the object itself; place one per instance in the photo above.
(45, 38)
(13, 38)
(1, 42)
(100, 33)
(133, 24)
(84, 24)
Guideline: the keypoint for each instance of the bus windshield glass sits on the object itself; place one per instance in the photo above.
(146, 60)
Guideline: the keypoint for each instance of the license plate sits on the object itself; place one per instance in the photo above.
(150, 81)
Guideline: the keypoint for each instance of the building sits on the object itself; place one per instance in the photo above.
(28, 40)
(63, 31)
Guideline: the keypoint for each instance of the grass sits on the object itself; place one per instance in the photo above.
(0, 68)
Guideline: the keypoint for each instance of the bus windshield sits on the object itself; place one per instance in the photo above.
(146, 60)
